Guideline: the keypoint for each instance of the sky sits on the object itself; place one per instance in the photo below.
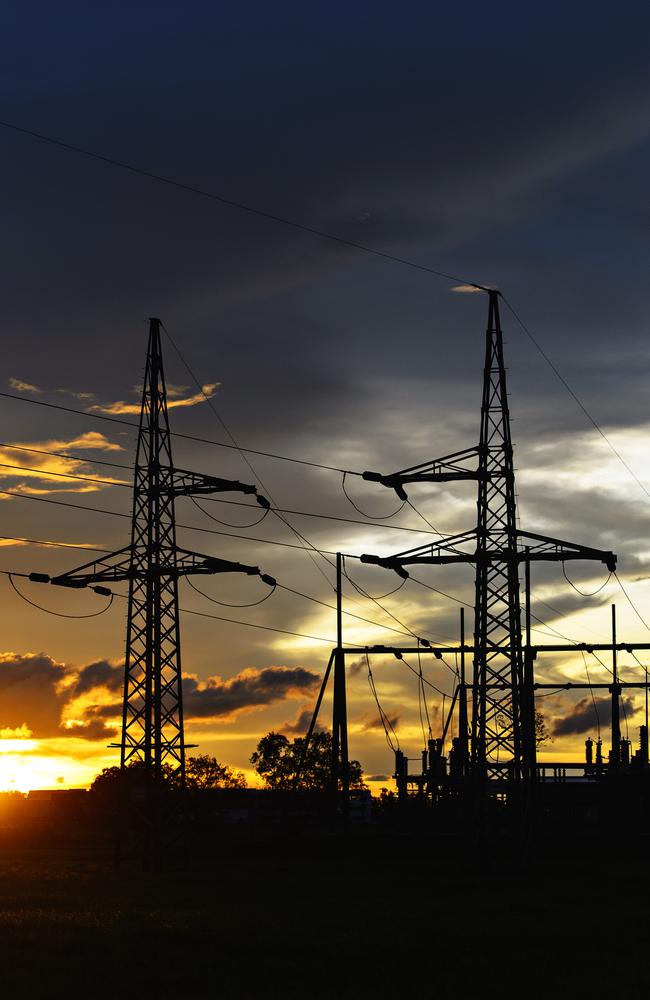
(508, 146)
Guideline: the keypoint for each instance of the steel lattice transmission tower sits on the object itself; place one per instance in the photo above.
(497, 721)
(153, 563)
(503, 716)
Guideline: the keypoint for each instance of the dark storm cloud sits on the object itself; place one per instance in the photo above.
(248, 690)
(29, 693)
(93, 729)
(100, 674)
(582, 718)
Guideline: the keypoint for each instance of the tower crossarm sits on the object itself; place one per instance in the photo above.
(190, 563)
(449, 468)
(111, 568)
(184, 483)
(463, 549)
(119, 566)
(443, 552)
(545, 549)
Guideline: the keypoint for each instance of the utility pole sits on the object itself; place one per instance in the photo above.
(615, 754)
(462, 701)
(153, 735)
(340, 757)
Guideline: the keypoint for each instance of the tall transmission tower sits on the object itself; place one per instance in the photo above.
(499, 721)
(503, 718)
(152, 564)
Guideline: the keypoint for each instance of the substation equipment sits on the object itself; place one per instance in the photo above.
(493, 759)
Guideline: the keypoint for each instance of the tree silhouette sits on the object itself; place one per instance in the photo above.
(206, 772)
(277, 759)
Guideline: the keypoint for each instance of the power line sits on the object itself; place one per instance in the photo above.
(217, 416)
(65, 475)
(231, 203)
(226, 604)
(322, 234)
(49, 611)
(631, 603)
(178, 434)
(581, 592)
(351, 614)
(374, 517)
(88, 548)
(211, 499)
(575, 397)
(66, 455)
(264, 628)
(63, 545)
(309, 545)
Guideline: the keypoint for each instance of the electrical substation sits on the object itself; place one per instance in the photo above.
(484, 779)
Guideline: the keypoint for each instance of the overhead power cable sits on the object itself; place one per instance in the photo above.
(264, 628)
(631, 603)
(66, 455)
(228, 524)
(63, 545)
(321, 234)
(215, 499)
(350, 614)
(231, 203)
(374, 517)
(309, 546)
(591, 692)
(581, 592)
(177, 434)
(49, 611)
(227, 604)
(44, 473)
(575, 397)
(217, 416)
(385, 721)
(307, 597)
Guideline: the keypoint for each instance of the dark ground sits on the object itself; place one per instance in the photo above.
(375, 916)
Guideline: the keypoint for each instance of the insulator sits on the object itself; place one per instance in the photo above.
(39, 578)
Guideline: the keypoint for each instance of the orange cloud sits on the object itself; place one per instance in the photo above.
(121, 408)
(59, 473)
(20, 386)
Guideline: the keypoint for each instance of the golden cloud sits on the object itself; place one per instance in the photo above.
(60, 472)
(20, 386)
(122, 408)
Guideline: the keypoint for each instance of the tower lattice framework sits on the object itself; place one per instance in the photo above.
(152, 718)
(503, 711)
(152, 564)
(498, 663)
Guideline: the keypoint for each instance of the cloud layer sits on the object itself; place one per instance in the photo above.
(42, 698)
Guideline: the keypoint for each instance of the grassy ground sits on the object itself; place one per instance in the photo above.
(262, 917)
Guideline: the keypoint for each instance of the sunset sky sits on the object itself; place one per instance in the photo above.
(502, 145)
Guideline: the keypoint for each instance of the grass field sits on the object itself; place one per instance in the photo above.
(371, 917)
